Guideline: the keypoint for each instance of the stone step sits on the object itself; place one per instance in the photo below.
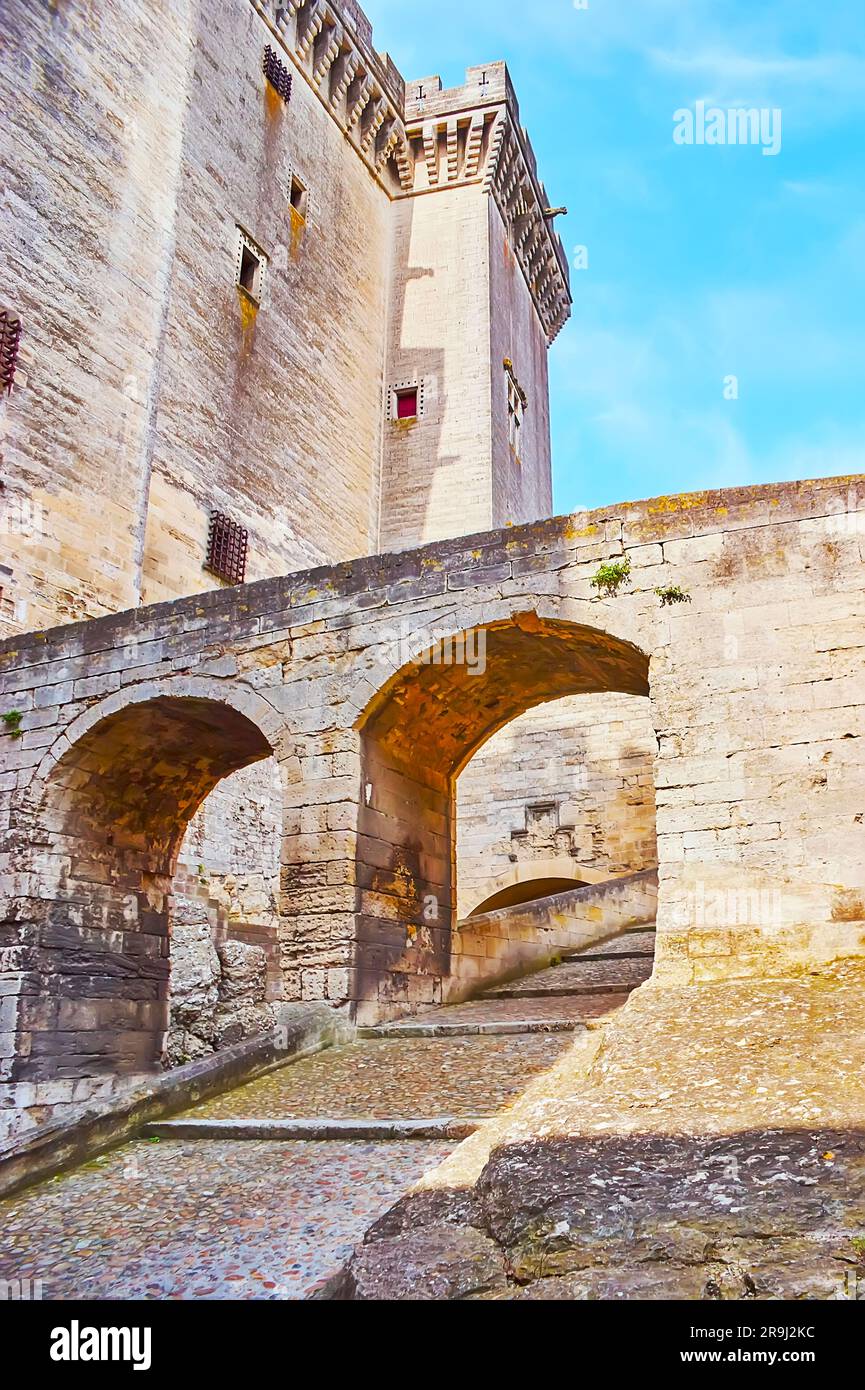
(566, 991)
(439, 1128)
(578, 976)
(491, 1016)
(449, 1028)
(389, 1079)
(637, 943)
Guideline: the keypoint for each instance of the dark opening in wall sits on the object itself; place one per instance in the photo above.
(249, 266)
(227, 544)
(298, 196)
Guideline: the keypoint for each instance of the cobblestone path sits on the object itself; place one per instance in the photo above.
(190, 1214)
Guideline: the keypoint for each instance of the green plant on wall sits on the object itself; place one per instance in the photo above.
(12, 719)
(610, 577)
(672, 593)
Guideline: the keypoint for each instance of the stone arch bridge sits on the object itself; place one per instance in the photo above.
(372, 684)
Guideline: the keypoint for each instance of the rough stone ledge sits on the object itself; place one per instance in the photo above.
(437, 1127)
(51, 1148)
(708, 1144)
(429, 1263)
(635, 1218)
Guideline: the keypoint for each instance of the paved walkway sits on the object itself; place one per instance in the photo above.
(207, 1217)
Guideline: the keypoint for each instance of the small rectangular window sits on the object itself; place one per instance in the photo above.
(298, 196)
(406, 404)
(250, 266)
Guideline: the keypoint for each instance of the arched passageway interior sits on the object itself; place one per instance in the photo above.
(225, 951)
(561, 796)
(114, 814)
(418, 734)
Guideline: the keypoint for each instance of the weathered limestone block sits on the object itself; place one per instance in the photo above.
(243, 972)
(242, 1010)
(432, 1262)
(218, 992)
(195, 966)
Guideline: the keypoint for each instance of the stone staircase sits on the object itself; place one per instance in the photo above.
(271, 1185)
(574, 993)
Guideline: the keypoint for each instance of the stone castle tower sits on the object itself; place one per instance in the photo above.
(317, 303)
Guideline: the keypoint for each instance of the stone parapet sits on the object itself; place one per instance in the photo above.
(495, 947)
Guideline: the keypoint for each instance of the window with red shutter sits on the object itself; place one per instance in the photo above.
(406, 404)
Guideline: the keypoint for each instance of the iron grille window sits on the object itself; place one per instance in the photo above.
(226, 548)
(10, 338)
(277, 74)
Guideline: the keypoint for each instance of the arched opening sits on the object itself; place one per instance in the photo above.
(525, 891)
(418, 734)
(560, 797)
(112, 818)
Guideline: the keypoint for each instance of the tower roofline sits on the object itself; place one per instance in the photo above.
(486, 100)
(397, 126)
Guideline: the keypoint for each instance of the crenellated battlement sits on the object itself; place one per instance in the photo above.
(486, 85)
(419, 136)
(332, 46)
(473, 133)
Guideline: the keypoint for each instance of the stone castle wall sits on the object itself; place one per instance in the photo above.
(271, 414)
(462, 323)
(153, 389)
(127, 722)
(436, 480)
(91, 159)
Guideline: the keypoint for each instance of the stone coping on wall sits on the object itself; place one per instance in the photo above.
(496, 947)
(556, 542)
(64, 1143)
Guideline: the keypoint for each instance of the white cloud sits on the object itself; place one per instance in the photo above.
(728, 66)
(822, 89)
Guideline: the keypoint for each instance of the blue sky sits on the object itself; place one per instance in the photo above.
(704, 261)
